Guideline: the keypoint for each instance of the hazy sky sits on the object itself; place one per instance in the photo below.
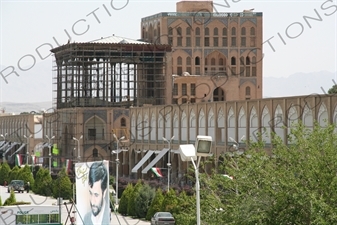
(28, 29)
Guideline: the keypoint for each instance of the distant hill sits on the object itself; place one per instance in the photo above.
(36, 86)
(17, 108)
(299, 84)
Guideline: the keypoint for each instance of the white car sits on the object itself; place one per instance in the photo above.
(163, 218)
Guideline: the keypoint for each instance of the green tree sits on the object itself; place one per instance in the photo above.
(184, 212)
(333, 90)
(62, 186)
(291, 184)
(43, 183)
(123, 203)
(143, 200)
(156, 204)
(132, 210)
(170, 201)
(0, 201)
(4, 173)
(14, 174)
(26, 175)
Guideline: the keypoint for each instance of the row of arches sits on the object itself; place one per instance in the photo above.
(178, 31)
(220, 60)
(185, 124)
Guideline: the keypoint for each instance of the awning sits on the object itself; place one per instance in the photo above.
(22, 145)
(153, 162)
(10, 147)
(4, 146)
(2, 143)
(142, 161)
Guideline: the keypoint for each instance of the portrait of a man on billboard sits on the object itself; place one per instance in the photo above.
(92, 193)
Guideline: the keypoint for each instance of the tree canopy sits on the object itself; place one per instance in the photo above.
(294, 183)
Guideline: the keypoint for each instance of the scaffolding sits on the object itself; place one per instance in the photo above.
(109, 74)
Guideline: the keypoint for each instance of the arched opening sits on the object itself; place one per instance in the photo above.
(218, 95)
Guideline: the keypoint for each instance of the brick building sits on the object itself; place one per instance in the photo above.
(221, 50)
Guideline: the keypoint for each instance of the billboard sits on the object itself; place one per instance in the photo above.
(92, 193)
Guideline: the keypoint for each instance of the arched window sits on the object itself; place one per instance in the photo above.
(221, 61)
(197, 31)
(179, 61)
(254, 60)
(215, 31)
(233, 61)
(243, 31)
(252, 31)
(197, 60)
(247, 90)
(213, 61)
(247, 60)
(233, 31)
(123, 122)
(224, 31)
(206, 31)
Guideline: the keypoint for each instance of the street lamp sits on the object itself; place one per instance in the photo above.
(49, 146)
(27, 155)
(78, 147)
(236, 144)
(190, 152)
(117, 164)
(3, 155)
(168, 161)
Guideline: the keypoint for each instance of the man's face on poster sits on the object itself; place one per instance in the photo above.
(96, 198)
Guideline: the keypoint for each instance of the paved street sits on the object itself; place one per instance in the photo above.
(38, 200)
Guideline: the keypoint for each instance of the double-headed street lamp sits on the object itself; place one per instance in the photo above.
(78, 147)
(117, 164)
(27, 155)
(49, 146)
(189, 152)
(168, 161)
(3, 155)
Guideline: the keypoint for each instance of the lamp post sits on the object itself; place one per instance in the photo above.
(49, 146)
(3, 155)
(190, 152)
(117, 164)
(78, 147)
(168, 161)
(27, 155)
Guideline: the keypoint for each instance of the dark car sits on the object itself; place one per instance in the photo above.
(16, 185)
(163, 218)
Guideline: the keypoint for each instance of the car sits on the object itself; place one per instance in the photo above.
(163, 218)
(16, 185)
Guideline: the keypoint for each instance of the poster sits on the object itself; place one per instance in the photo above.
(92, 193)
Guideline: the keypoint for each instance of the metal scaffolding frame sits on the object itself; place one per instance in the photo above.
(109, 74)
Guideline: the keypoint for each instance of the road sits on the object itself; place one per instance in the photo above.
(38, 200)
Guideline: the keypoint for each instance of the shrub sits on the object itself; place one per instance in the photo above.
(62, 186)
(143, 200)
(43, 183)
(4, 173)
(26, 175)
(11, 199)
(123, 203)
(156, 204)
(14, 174)
(132, 210)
